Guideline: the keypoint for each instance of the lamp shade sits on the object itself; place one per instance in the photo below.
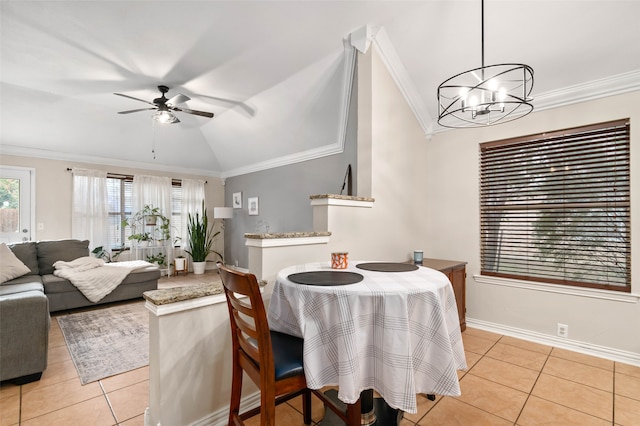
(222, 212)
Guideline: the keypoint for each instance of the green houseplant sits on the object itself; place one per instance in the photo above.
(140, 238)
(149, 218)
(200, 237)
(101, 253)
(160, 259)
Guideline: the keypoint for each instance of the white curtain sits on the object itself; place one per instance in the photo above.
(192, 198)
(90, 211)
(154, 191)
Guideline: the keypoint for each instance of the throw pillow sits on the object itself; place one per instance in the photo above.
(51, 251)
(10, 265)
(27, 253)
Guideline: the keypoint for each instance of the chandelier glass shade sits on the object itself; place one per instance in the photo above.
(165, 116)
(487, 95)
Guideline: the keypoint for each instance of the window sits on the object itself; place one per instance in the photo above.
(120, 192)
(555, 207)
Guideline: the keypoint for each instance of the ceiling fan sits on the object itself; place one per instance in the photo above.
(164, 107)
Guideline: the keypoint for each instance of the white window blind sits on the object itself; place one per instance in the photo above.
(119, 191)
(120, 196)
(555, 207)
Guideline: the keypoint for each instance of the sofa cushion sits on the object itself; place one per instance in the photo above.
(29, 278)
(10, 266)
(20, 288)
(141, 275)
(55, 284)
(28, 254)
(50, 252)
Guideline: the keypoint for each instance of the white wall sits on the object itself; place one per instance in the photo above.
(190, 372)
(427, 196)
(452, 217)
(391, 153)
(54, 186)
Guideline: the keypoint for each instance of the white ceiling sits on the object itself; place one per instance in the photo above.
(272, 72)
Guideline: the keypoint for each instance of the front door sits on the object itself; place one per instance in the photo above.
(16, 207)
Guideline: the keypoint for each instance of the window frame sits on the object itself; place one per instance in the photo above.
(488, 225)
(124, 214)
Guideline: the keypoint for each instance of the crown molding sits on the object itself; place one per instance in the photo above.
(609, 86)
(299, 157)
(360, 40)
(65, 156)
(366, 36)
(400, 76)
(322, 151)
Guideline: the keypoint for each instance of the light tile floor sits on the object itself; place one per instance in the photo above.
(509, 382)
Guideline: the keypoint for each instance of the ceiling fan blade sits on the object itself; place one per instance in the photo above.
(194, 112)
(178, 99)
(136, 110)
(135, 99)
(239, 103)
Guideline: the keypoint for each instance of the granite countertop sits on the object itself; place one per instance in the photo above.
(274, 235)
(179, 294)
(341, 197)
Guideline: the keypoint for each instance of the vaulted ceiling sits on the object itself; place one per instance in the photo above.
(275, 73)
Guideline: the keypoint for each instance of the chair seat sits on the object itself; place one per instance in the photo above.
(287, 355)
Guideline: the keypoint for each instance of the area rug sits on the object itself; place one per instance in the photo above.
(107, 341)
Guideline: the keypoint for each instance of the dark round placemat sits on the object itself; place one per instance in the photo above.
(387, 267)
(326, 278)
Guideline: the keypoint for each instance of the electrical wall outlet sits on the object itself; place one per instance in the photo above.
(563, 330)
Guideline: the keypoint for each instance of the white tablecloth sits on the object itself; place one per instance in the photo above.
(395, 332)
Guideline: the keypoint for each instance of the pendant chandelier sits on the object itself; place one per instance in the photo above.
(487, 95)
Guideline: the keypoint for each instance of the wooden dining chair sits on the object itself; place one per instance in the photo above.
(271, 359)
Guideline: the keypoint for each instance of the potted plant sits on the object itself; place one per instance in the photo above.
(101, 253)
(151, 217)
(200, 236)
(180, 264)
(142, 238)
(159, 259)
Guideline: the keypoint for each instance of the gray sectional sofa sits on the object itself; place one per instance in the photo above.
(26, 301)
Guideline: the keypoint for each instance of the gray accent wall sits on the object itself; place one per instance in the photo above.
(283, 194)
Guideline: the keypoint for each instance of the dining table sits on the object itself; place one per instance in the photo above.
(387, 327)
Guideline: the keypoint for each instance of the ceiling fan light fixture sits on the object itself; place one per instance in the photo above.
(165, 117)
(487, 95)
(163, 108)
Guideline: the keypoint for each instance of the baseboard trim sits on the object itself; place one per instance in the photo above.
(220, 417)
(612, 354)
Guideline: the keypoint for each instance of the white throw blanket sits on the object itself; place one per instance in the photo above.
(95, 278)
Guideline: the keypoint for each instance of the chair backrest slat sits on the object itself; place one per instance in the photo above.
(248, 316)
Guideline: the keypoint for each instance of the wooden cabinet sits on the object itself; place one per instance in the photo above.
(456, 271)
